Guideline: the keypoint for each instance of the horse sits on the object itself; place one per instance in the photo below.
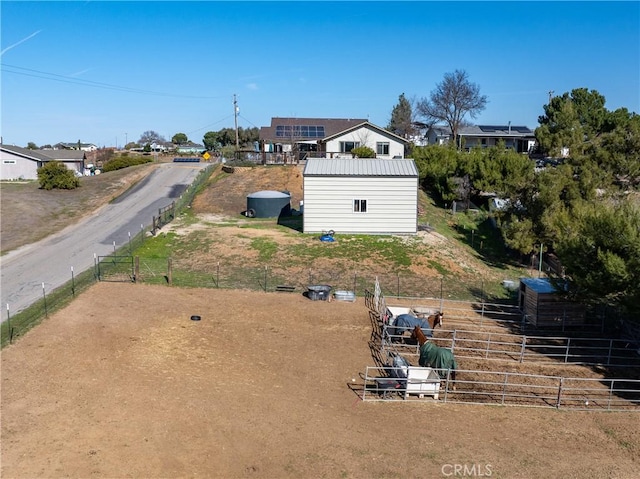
(405, 322)
(431, 355)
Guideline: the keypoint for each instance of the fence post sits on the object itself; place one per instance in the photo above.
(398, 279)
(522, 349)
(611, 389)
(265, 278)
(9, 324)
(355, 283)
(46, 314)
(566, 352)
(136, 268)
(559, 393)
(610, 348)
(170, 271)
(73, 284)
(486, 353)
(96, 271)
(453, 340)
(504, 386)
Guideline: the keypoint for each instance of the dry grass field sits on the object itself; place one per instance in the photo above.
(122, 383)
(30, 213)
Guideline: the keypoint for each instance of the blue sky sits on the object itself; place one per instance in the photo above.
(105, 72)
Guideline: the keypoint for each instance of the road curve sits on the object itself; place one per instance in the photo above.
(49, 261)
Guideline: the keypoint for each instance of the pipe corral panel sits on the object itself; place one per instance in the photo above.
(269, 204)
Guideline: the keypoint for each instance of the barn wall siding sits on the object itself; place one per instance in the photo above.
(392, 204)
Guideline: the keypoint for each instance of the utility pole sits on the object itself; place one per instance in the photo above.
(235, 118)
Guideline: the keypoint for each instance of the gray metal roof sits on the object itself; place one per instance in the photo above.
(360, 167)
(45, 155)
(496, 131)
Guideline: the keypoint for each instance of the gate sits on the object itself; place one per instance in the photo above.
(115, 268)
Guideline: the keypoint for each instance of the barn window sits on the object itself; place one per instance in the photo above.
(382, 148)
(9, 162)
(359, 206)
(347, 146)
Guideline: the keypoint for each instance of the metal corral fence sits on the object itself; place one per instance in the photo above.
(512, 389)
(499, 387)
(491, 345)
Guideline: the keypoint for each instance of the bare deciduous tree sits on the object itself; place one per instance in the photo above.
(452, 100)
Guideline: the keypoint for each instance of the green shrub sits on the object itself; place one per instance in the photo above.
(55, 174)
(363, 152)
(119, 162)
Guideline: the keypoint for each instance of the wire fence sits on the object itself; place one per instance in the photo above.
(116, 267)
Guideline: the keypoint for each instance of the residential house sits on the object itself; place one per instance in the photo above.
(75, 146)
(191, 148)
(519, 138)
(301, 138)
(438, 135)
(360, 195)
(385, 144)
(17, 163)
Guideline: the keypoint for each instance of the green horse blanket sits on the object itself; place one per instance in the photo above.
(438, 358)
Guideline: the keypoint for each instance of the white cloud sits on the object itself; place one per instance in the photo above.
(252, 86)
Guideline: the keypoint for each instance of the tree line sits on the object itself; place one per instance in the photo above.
(581, 202)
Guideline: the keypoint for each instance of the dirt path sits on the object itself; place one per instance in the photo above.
(123, 384)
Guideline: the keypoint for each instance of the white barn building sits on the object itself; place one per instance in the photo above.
(360, 195)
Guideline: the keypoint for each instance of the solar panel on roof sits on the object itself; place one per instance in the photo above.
(299, 131)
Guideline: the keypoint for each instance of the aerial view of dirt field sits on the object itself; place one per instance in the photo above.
(122, 383)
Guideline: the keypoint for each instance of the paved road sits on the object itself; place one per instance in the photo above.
(50, 261)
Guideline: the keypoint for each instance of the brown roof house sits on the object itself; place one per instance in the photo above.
(301, 138)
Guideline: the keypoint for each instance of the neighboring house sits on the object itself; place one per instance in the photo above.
(360, 195)
(74, 146)
(385, 144)
(192, 149)
(438, 135)
(519, 138)
(304, 138)
(18, 163)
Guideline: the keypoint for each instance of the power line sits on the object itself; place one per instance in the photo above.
(210, 124)
(94, 84)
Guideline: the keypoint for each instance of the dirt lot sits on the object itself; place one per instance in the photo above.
(122, 383)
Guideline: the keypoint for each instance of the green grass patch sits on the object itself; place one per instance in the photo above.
(356, 248)
(266, 248)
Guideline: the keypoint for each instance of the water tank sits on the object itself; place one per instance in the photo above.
(268, 204)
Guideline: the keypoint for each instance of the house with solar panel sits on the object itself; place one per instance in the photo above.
(360, 195)
(296, 139)
(519, 138)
